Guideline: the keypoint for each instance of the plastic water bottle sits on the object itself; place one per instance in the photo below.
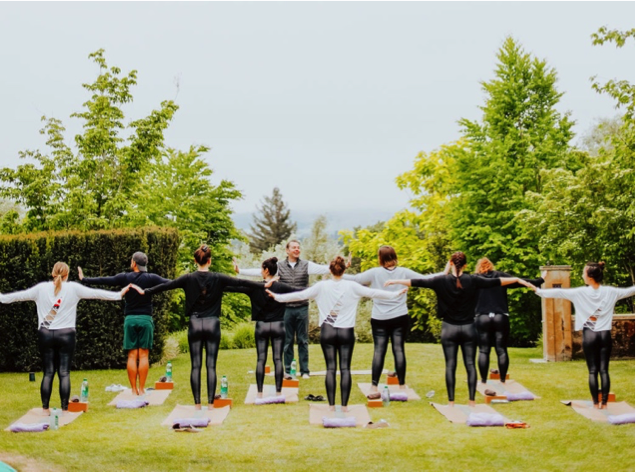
(292, 368)
(224, 386)
(386, 397)
(169, 371)
(84, 391)
(54, 422)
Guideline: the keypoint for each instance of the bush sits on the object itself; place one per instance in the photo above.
(182, 340)
(26, 260)
(227, 340)
(244, 336)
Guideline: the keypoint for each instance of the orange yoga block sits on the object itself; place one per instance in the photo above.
(267, 369)
(490, 398)
(496, 376)
(610, 398)
(78, 406)
(392, 380)
(223, 402)
(160, 385)
(374, 403)
(290, 383)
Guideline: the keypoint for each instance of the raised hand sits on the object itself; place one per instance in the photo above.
(80, 272)
(348, 263)
(403, 290)
(235, 264)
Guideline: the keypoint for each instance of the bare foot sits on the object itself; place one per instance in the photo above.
(279, 394)
(345, 409)
(451, 403)
(141, 391)
(603, 406)
(403, 387)
(210, 406)
(471, 403)
(46, 412)
(65, 413)
(596, 406)
(374, 389)
(332, 408)
(259, 395)
(197, 407)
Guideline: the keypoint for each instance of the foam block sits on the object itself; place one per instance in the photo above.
(78, 406)
(610, 398)
(498, 376)
(218, 403)
(290, 383)
(267, 369)
(374, 403)
(167, 385)
(392, 380)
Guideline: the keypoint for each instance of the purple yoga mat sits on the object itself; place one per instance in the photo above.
(20, 427)
(191, 422)
(484, 419)
(401, 396)
(270, 400)
(522, 396)
(332, 422)
(134, 404)
(621, 418)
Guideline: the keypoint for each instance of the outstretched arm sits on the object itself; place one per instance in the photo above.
(30, 294)
(377, 293)
(520, 282)
(84, 292)
(403, 282)
(309, 293)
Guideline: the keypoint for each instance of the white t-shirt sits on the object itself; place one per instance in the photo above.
(337, 300)
(58, 311)
(590, 302)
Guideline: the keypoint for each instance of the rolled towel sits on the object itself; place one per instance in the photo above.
(484, 419)
(399, 396)
(332, 422)
(621, 418)
(20, 427)
(191, 422)
(134, 404)
(270, 400)
(522, 396)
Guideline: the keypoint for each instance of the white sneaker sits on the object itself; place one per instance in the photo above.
(305, 376)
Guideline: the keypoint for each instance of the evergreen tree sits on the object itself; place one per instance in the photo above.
(274, 224)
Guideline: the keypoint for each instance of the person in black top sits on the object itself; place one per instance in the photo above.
(270, 323)
(204, 291)
(491, 319)
(138, 324)
(456, 299)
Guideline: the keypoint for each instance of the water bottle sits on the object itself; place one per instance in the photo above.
(292, 368)
(84, 391)
(54, 422)
(386, 397)
(169, 371)
(224, 387)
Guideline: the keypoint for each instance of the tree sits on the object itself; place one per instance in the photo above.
(273, 226)
(318, 246)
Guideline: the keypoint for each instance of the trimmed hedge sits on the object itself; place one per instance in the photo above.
(26, 260)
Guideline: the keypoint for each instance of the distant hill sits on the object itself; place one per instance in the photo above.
(337, 219)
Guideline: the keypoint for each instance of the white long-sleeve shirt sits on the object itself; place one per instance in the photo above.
(312, 269)
(590, 302)
(337, 300)
(61, 307)
(384, 309)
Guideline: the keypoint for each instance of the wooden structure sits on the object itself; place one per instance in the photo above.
(557, 316)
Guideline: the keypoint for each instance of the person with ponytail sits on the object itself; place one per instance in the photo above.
(593, 311)
(389, 317)
(492, 319)
(203, 294)
(456, 300)
(270, 326)
(56, 303)
(337, 301)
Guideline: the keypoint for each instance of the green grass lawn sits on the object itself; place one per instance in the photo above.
(279, 437)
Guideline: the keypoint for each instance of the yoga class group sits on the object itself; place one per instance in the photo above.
(473, 309)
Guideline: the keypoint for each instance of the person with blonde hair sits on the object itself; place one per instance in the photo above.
(56, 303)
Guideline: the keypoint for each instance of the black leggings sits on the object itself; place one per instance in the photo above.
(493, 331)
(383, 330)
(57, 348)
(203, 332)
(337, 342)
(263, 333)
(597, 347)
(453, 337)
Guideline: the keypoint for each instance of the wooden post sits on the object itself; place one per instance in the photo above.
(557, 316)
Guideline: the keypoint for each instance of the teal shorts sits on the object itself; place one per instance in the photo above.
(138, 332)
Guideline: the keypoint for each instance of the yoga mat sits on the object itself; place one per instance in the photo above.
(154, 398)
(291, 394)
(586, 409)
(459, 413)
(34, 416)
(216, 415)
(318, 411)
(394, 388)
(510, 385)
(324, 373)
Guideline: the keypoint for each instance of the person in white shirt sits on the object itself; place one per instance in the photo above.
(389, 318)
(56, 303)
(337, 301)
(594, 310)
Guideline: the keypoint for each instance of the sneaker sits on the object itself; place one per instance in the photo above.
(305, 376)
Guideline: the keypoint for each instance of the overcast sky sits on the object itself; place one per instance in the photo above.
(327, 101)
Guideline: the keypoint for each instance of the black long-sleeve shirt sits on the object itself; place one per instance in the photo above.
(203, 291)
(264, 308)
(495, 299)
(136, 304)
(456, 305)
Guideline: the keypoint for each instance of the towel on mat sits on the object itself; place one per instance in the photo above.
(621, 418)
(399, 396)
(331, 422)
(134, 404)
(191, 422)
(484, 419)
(20, 427)
(521, 396)
(270, 400)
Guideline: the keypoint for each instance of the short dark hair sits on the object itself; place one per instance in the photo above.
(203, 255)
(595, 271)
(271, 265)
(290, 242)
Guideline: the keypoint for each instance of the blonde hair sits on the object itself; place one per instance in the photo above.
(59, 273)
(484, 265)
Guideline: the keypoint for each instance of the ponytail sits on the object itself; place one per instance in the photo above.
(459, 261)
(59, 273)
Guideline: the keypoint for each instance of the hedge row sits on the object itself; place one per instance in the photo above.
(26, 260)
